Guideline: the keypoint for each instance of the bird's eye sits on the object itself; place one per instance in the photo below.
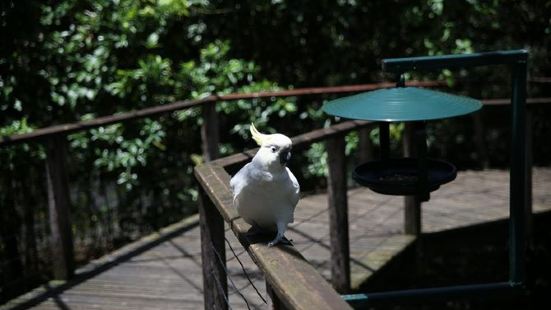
(274, 149)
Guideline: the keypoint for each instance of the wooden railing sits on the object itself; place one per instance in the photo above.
(294, 283)
(291, 282)
(56, 145)
(282, 267)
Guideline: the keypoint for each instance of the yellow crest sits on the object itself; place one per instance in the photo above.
(257, 136)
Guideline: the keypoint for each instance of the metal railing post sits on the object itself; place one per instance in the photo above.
(518, 174)
(412, 204)
(528, 203)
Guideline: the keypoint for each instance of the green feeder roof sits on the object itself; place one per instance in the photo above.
(402, 104)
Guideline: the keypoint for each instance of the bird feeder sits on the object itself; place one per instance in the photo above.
(403, 176)
(421, 175)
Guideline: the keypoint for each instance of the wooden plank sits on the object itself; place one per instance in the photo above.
(370, 261)
(213, 254)
(61, 238)
(140, 246)
(66, 129)
(107, 268)
(297, 284)
(338, 214)
(507, 101)
(210, 136)
(167, 263)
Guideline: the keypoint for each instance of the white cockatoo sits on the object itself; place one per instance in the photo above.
(265, 191)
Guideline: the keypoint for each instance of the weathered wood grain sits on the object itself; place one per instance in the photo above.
(338, 214)
(59, 205)
(213, 255)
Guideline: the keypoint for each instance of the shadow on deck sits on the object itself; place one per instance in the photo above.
(163, 271)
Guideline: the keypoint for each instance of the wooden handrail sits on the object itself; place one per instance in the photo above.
(531, 101)
(181, 105)
(58, 192)
(295, 282)
(59, 204)
(186, 104)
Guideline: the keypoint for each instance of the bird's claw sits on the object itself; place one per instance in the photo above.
(283, 240)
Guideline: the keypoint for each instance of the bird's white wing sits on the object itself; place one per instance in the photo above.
(294, 192)
(246, 176)
(257, 198)
(239, 181)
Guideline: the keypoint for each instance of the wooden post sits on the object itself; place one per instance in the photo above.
(412, 204)
(213, 254)
(59, 208)
(213, 248)
(210, 136)
(338, 214)
(365, 146)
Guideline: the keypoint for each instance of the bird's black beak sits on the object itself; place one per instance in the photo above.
(284, 156)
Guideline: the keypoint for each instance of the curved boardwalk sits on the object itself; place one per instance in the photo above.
(163, 271)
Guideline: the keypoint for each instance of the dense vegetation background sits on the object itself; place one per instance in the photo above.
(70, 60)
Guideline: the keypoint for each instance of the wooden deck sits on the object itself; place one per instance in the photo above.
(163, 271)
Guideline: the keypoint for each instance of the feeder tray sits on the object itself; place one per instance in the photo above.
(401, 176)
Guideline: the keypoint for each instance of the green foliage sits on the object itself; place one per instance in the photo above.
(12, 157)
(102, 57)
(89, 58)
(317, 156)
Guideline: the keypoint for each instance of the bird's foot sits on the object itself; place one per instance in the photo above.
(281, 240)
